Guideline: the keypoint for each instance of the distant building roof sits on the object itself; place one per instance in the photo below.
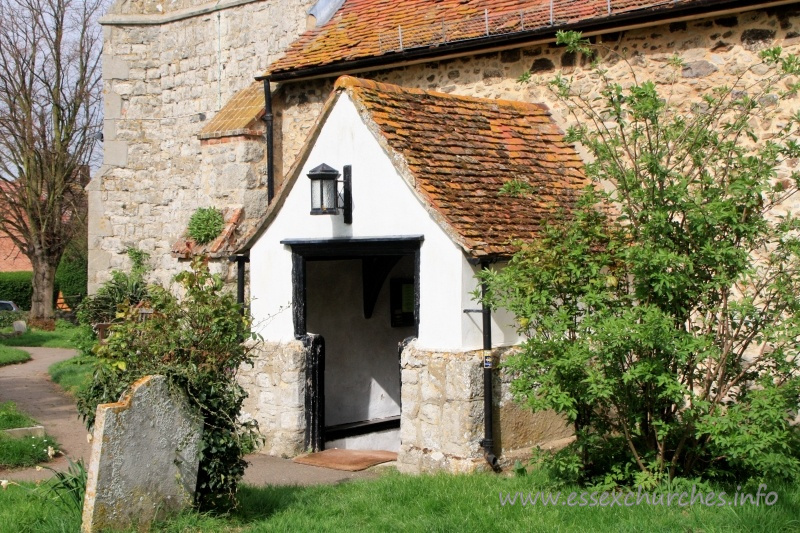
(456, 152)
(395, 31)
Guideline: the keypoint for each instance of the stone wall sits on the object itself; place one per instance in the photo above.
(516, 429)
(442, 417)
(276, 384)
(164, 79)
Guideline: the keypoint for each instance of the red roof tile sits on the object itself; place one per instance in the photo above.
(459, 151)
(456, 152)
(371, 28)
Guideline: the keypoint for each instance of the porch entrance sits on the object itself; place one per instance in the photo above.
(358, 300)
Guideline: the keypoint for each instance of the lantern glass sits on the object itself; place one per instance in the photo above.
(329, 195)
(316, 195)
(324, 190)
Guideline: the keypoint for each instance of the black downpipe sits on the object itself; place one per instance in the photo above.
(269, 121)
(240, 271)
(488, 392)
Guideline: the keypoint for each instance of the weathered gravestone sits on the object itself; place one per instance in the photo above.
(19, 326)
(144, 460)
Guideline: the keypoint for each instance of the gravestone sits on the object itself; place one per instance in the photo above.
(19, 326)
(144, 460)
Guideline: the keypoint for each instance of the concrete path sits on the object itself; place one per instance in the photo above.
(29, 386)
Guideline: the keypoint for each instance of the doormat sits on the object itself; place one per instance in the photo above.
(350, 460)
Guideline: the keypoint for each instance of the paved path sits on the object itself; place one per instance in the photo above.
(29, 386)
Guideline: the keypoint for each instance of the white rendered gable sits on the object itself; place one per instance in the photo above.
(383, 206)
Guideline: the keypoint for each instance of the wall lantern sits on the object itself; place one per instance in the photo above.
(325, 196)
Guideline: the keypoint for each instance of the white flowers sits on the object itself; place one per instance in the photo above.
(4, 483)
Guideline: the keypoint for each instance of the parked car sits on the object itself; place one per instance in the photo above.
(7, 305)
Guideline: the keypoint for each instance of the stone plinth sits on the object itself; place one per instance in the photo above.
(442, 420)
(275, 384)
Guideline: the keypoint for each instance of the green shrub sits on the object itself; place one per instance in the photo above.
(196, 344)
(7, 318)
(123, 289)
(72, 279)
(669, 333)
(205, 224)
(17, 287)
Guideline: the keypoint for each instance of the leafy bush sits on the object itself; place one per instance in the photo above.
(196, 344)
(17, 287)
(7, 318)
(668, 334)
(120, 292)
(114, 296)
(205, 224)
(72, 279)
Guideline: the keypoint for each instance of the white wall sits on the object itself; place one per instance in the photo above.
(383, 206)
(362, 365)
(504, 325)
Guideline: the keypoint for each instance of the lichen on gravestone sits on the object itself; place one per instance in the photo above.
(145, 458)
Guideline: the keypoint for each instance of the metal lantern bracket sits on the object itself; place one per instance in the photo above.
(347, 194)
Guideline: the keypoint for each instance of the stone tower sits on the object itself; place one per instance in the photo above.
(169, 67)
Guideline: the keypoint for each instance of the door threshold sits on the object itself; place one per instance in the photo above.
(353, 429)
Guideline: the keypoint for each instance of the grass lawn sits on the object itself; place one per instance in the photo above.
(11, 417)
(398, 502)
(31, 509)
(60, 338)
(10, 356)
(24, 451)
(72, 374)
(20, 451)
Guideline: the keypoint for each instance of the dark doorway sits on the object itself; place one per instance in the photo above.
(358, 299)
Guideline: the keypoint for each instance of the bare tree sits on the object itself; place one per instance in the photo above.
(50, 116)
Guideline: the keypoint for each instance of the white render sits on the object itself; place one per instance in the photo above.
(383, 206)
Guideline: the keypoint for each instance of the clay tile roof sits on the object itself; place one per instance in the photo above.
(239, 116)
(371, 28)
(457, 152)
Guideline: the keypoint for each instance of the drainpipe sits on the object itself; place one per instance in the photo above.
(268, 120)
(488, 441)
(240, 262)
